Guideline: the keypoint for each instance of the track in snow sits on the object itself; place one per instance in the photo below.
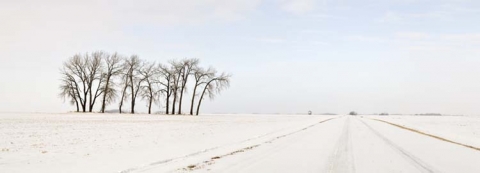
(350, 144)
(341, 159)
(249, 144)
(421, 166)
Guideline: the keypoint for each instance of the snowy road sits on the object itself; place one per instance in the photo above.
(345, 145)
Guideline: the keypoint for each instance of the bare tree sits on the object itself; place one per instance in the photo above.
(86, 77)
(149, 91)
(187, 65)
(167, 76)
(74, 72)
(130, 78)
(83, 73)
(177, 69)
(134, 79)
(201, 78)
(126, 70)
(214, 86)
(95, 67)
(69, 91)
(113, 68)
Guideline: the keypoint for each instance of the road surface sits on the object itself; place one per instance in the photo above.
(343, 145)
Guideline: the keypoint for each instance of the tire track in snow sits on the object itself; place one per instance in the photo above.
(341, 160)
(418, 163)
(194, 154)
(212, 160)
(190, 167)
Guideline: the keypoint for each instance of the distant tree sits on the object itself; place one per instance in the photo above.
(149, 73)
(95, 71)
(201, 77)
(82, 77)
(166, 77)
(126, 70)
(177, 69)
(113, 65)
(135, 79)
(74, 76)
(131, 81)
(214, 86)
(187, 66)
(68, 90)
(91, 76)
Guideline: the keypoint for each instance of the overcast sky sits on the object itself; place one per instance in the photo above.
(286, 56)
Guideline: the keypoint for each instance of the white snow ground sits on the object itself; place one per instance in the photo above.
(462, 129)
(231, 143)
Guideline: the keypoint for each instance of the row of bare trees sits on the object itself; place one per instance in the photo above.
(99, 76)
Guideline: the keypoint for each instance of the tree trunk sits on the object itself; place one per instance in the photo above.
(151, 97)
(123, 95)
(184, 84)
(168, 98)
(150, 106)
(132, 108)
(78, 95)
(90, 103)
(84, 106)
(174, 101)
(121, 101)
(201, 98)
(76, 103)
(95, 96)
(180, 102)
(193, 98)
(168, 104)
(90, 99)
(120, 107)
(105, 91)
(175, 93)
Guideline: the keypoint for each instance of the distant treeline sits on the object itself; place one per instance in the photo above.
(102, 77)
(430, 114)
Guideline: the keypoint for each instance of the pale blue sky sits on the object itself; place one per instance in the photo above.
(287, 56)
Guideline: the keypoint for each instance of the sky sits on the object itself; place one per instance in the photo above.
(286, 56)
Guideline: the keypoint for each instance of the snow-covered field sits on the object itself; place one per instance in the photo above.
(235, 143)
(114, 143)
(462, 129)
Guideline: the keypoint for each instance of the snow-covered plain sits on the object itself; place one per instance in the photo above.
(462, 129)
(115, 143)
(234, 143)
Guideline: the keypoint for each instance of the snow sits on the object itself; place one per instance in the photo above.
(114, 143)
(235, 143)
(462, 129)
(428, 154)
(352, 144)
